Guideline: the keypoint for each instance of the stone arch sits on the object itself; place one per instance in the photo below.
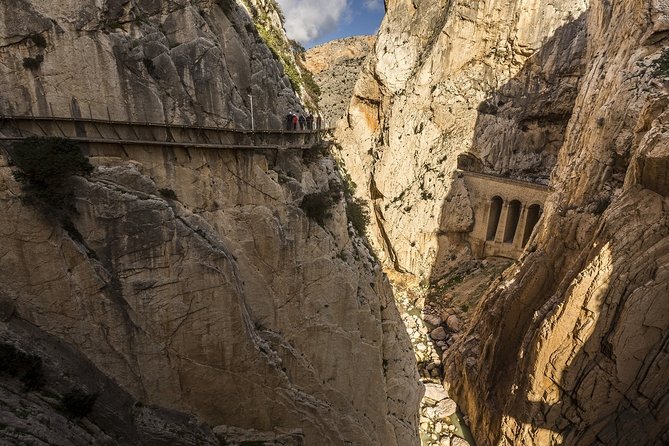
(512, 218)
(493, 217)
(533, 215)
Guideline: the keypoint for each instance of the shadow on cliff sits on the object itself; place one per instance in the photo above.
(548, 360)
(518, 133)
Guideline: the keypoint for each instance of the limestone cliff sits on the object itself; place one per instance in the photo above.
(179, 61)
(569, 346)
(446, 79)
(221, 298)
(336, 66)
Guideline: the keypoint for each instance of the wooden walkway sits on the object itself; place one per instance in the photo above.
(97, 131)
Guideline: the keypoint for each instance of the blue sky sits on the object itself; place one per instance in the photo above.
(312, 22)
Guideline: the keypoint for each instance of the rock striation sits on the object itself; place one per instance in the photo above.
(580, 354)
(336, 66)
(568, 346)
(192, 278)
(182, 62)
(477, 79)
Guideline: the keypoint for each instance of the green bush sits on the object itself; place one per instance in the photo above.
(33, 63)
(318, 206)
(23, 365)
(78, 403)
(38, 40)
(661, 65)
(357, 214)
(168, 194)
(44, 167)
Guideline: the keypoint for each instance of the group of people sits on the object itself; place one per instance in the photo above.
(295, 122)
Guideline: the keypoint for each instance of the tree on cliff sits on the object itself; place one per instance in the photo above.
(45, 167)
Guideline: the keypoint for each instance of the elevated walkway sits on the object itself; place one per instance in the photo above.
(102, 132)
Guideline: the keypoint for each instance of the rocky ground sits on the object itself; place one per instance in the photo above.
(435, 315)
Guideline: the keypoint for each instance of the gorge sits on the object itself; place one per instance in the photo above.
(214, 282)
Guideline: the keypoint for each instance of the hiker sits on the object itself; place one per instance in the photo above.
(310, 122)
(294, 122)
(302, 122)
(289, 121)
(318, 122)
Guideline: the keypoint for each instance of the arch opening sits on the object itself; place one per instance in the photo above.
(512, 218)
(533, 216)
(493, 217)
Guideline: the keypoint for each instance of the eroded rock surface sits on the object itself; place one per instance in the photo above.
(569, 346)
(175, 61)
(574, 338)
(223, 300)
(336, 66)
(497, 81)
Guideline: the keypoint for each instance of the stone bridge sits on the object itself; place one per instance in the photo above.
(99, 131)
(505, 213)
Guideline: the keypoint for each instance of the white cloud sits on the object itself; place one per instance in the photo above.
(374, 5)
(307, 20)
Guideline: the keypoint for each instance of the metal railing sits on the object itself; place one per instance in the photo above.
(100, 131)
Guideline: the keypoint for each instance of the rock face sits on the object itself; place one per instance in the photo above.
(336, 66)
(569, 345)
(482, 79)
(181, 61)
(580, 354)
(228, 302)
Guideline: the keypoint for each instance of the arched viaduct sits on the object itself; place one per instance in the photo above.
(505, 213)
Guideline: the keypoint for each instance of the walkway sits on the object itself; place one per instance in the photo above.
(98, 131)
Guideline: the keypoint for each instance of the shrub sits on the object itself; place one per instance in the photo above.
(45, 166)
(661, 65)
(601, 205)
(168, 194)
(38, 40)
(150, 66)
(33, 63)
(357, 214)
(24, 365)
(78, 403)
(318, 206)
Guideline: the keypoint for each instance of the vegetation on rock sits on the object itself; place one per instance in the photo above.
(45, 166)
(318, 206)
(661, 65)
(78, 403)
(27, 367)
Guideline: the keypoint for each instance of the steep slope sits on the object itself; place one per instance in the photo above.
(226, 302)
(569, 346)
(336, 66)
(416, 108)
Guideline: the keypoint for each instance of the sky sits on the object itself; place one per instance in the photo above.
(312, 22)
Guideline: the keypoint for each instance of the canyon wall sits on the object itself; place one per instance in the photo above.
(569, 345)
(192, 278)
(447, 79)
(336, 66)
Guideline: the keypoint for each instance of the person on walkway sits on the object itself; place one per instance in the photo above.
(294, 121)
(289, 121)
(310, 122)
(318, 122)
(302, 122)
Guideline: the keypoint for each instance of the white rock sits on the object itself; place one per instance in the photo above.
(435, 392)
